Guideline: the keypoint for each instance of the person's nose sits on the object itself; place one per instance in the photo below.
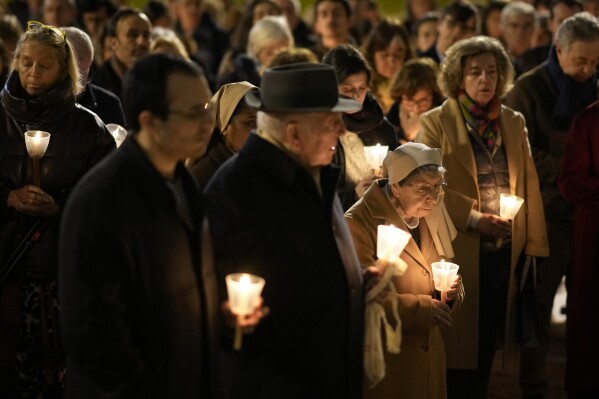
(36, 69)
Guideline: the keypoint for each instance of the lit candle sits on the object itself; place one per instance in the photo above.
(444, 274)
(118, 132)
(36, 142)
(390, 242)
(375, 155)
(509, 205)
(244, 294)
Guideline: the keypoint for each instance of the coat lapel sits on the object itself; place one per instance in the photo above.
(507, 125)
(455, 129)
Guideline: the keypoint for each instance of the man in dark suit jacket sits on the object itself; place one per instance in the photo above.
(275, 213)
(139, 296)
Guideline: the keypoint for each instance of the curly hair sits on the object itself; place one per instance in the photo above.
(56, 39)
(452, 67)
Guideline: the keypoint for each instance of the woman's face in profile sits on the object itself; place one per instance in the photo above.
(39, 68)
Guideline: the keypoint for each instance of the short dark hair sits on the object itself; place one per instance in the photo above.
(84, 6)
(344, 3)
(347, 60)
(145, 85)
(417, 74)
(568, 3)
(121, 14)
(461, 11)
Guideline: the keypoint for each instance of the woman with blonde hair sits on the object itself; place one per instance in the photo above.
(267, 37)
(485, 149)
(39, 95)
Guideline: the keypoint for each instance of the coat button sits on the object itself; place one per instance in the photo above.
(424, 348)
(424, 273)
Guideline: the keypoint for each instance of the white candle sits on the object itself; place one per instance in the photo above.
(509, 205)
(118, 132)
(244, 292)
(391, 241)
(36, 142)
(443, 275)
(375, 155)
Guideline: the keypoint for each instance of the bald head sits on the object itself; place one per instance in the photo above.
(84, 49)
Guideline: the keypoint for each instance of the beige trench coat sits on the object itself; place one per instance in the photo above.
(418, 371)
(444, 128)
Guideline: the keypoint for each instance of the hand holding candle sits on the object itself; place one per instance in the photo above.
(244, 295)
(375, 155)
(509, 205)
(36, 142)
(444, 274)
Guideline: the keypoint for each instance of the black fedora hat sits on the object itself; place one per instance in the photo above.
(300, 87)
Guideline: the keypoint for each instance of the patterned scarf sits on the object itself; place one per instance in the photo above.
(484, 121)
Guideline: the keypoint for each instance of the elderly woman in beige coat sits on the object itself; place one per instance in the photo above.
(411, 199)
(485, 150)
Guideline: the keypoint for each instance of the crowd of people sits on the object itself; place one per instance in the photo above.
(248, 127)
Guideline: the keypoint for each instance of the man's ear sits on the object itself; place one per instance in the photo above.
(146, 119)
(293, 133)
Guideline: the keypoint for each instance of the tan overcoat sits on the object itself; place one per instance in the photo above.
(444, 128)
(419, 370)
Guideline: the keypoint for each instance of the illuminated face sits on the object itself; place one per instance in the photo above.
(517, 33)
(39, 68)
(419, 196)
(355, 86)
(480, 78)
(390, 60)
(579, 61)
(132, 39)
(317, 137)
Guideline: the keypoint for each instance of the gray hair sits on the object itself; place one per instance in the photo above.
(517, 8)
(579, 27)
(452, 67)
(424, 170)
(266, 32)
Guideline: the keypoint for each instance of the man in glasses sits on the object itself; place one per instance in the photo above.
(139, 296)
(457, 21)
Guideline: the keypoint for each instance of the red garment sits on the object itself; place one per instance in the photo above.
(579, 183)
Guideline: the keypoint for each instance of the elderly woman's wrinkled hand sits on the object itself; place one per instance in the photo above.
(33, 201)
(246, 322)
(495, 226)
(453, 292)
(440, 316)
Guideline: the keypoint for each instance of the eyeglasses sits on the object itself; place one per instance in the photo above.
(420, 103)
(35, 26)
(425, 191)
(206, 113)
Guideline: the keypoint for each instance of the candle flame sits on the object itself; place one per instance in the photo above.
(245, 279)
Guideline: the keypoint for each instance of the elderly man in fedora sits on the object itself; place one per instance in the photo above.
(274, 212)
